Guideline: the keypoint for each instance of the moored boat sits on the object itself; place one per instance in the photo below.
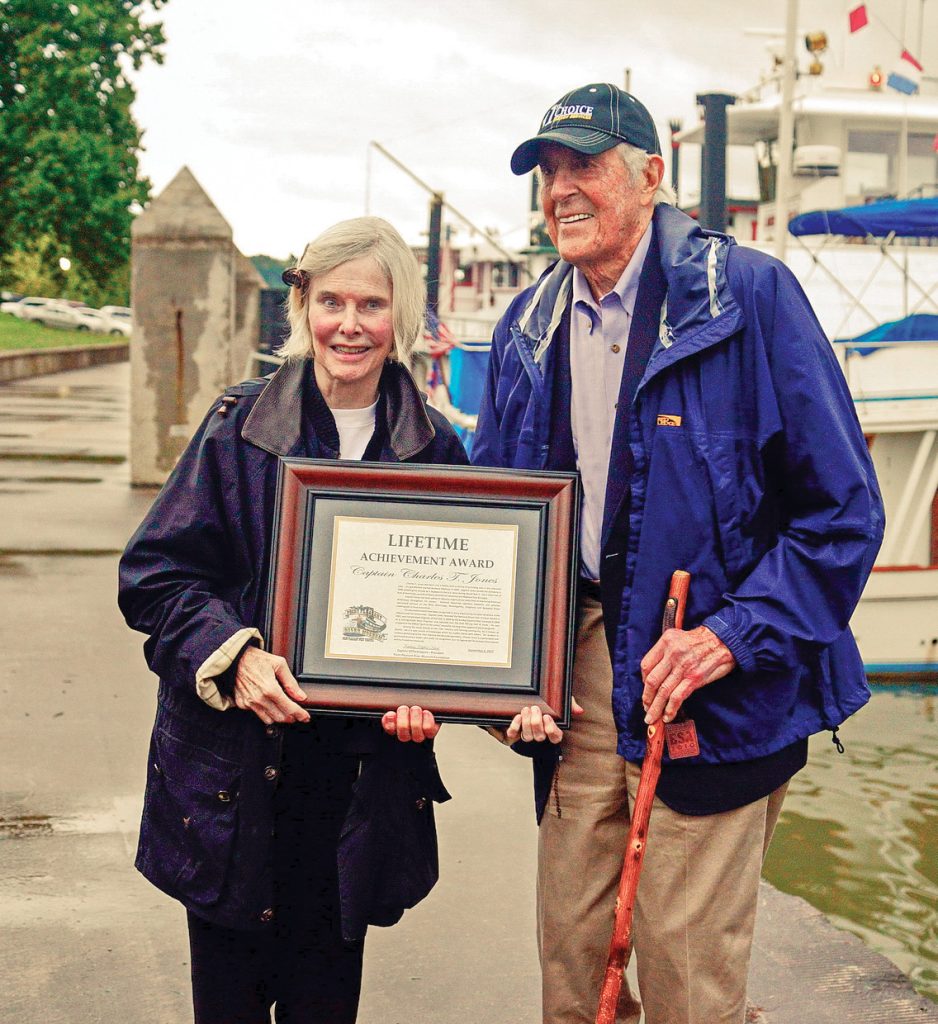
(868, 262)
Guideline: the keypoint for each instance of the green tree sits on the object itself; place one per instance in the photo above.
(68, 140)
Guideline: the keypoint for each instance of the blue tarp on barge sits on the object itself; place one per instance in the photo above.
(918, 327)
(905, 218)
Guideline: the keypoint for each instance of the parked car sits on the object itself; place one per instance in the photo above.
(67, 313)
(23, 308)
(91, 320)
(49, 312)
(120, 319)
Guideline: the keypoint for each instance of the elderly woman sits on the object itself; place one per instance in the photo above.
(283, 833)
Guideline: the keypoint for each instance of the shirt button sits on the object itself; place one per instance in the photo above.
(615, 348)
(224, 796)
(270, 773)
(267, 915)
(272, 730)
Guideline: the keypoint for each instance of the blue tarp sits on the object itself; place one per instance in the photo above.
(467, 379)
(918, 327)
(908, 218)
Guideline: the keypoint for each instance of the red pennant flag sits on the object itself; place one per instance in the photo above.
(934, 143)
(858, 18)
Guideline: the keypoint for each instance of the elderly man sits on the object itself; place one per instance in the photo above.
(689, 382)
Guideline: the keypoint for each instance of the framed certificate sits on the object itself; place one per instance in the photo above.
(447, 587)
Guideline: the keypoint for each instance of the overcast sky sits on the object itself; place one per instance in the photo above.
(272, 105)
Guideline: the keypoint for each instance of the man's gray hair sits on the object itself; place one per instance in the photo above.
(636, 160)
(350, 240)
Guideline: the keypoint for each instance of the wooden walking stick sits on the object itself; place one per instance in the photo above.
(621, 945)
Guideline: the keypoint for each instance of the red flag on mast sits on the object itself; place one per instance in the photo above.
(858, 18)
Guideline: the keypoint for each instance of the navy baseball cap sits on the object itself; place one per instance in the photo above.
(590, 119)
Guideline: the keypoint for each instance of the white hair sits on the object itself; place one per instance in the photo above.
(350, 240)
(636, 160)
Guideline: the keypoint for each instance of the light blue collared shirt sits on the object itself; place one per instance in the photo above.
(599, 334)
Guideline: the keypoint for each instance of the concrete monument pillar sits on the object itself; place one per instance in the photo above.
(247, 326)
(195, 306)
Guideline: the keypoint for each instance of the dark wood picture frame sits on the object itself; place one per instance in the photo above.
(542, 510)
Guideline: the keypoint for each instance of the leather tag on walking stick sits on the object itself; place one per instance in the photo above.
(681, 738)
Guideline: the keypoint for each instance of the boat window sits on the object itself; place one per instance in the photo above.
(923, 164)
(871, 169)
(505, 275)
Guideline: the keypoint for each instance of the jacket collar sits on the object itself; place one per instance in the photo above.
(541, 317)
(699, 307)
(276, 421)
(693, 262)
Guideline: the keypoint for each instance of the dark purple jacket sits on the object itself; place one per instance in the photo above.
(193, 574)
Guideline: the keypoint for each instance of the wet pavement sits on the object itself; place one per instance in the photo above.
(83, 938)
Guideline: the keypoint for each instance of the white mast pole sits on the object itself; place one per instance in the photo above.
(786, 132)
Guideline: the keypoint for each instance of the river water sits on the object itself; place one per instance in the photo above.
(858, 835)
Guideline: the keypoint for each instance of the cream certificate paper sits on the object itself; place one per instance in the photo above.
(425, 592)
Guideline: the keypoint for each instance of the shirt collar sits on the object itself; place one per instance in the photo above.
(626, 288)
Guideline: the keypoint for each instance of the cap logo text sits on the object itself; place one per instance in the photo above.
(558, 113)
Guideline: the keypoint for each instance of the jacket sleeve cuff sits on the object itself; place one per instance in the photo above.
(217, 663)
(499, 732)
(734, 641)
(527, 748)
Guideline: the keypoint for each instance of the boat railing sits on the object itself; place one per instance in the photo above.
(470, 332)
(849, 351)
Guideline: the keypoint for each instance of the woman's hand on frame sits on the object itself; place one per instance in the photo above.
(410, 724)
(532, 725)
(265, 685)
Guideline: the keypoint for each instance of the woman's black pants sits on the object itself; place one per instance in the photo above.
(301, 967)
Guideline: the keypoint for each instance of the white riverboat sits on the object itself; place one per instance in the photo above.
(865, 260)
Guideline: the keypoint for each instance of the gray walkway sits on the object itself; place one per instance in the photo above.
(84, 939)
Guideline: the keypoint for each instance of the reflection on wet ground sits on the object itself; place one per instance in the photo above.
(22, 825)
(95, 459)
(56, 435)
(50, 417)
(84, 392)
(12, 566)
(59, 553)
(858, 836)
(121, 816)
(50, 479)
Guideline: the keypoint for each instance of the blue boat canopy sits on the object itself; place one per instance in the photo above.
(918, 327)
(907, 218)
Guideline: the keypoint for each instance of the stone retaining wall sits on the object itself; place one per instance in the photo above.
(33, 362)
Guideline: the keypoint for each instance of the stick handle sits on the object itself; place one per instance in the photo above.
(621, 944)
(676, 604)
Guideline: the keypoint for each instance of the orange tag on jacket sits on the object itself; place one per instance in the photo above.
(681, 738)
(666, 420)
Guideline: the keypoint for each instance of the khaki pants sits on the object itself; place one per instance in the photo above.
(696, 905)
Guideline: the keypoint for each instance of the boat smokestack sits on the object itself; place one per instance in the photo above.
(675, 127)
(713, 160)
(433, 253)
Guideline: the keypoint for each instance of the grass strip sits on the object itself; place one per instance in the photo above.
(25, 336)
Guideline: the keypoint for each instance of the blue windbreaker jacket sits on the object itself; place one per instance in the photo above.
(740, 460)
